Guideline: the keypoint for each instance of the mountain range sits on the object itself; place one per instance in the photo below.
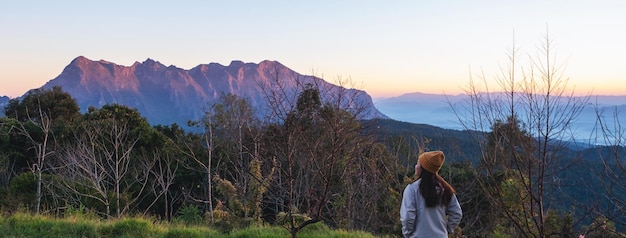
(436, 109)
(168, 94)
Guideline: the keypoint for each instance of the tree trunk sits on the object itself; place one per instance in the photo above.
(38, 200)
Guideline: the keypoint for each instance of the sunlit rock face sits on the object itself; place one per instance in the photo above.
(168, 94)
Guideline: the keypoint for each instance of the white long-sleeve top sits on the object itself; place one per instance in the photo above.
(421, 221)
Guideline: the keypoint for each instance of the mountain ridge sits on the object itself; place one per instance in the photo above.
(436, 109)
(169, 94)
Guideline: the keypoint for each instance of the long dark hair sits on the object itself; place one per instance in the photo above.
(428, 189)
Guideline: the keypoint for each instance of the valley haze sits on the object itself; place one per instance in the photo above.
(437, 110)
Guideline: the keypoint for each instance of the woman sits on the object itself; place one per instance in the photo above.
(428, 200)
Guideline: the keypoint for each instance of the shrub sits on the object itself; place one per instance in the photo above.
(179, 232)
(129, 227)
(189, 215)
(282, 218)
(21, 188)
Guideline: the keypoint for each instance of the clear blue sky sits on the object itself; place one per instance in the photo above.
(387, 48)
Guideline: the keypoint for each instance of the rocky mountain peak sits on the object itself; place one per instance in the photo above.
(167, 95)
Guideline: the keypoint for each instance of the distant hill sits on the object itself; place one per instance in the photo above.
(168, 94)
(458, 145)
(4, 101)
(422, 108)
(435, 109)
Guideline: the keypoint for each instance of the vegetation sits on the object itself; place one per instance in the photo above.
(79, 225)
(311, 167)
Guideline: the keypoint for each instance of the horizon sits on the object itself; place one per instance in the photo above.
(375, 99)
(386, 49)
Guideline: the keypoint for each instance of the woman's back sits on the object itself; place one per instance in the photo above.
(430, 221)
(429, 205)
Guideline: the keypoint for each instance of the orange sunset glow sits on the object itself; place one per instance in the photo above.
(387, 49)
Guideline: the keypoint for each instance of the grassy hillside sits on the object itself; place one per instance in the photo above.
(26, 225)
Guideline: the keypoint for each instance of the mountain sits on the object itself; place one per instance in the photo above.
(422, 108)
(168, 94)
(437, 110)
(4, 101)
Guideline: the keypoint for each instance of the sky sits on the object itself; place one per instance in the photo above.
(386, 48)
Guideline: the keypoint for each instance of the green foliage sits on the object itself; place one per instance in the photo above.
(115, 115)
(256, 189)
(501, 232)
(309, 101)
(79, 213)
(560, 225)
(602, 227)
(16, 153)
(13, 147)
(226, 222)
(21, 188)
(479, 217)
(129, 227)
(189, 215)
(283, 218)
(228, 192)
(54, 103)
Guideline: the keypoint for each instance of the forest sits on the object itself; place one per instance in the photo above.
(317, 164)
(312, 159)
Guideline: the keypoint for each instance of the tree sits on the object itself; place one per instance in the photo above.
(370, 192)
(9, 154)
(314, 137)
(207, 123)
(173, 170)
(232, 141)
(54, 103)
(41, 113)
(530, 120)
(162, 177)
(102, 163)
(40, 146)
(240, 135)
(610, 169)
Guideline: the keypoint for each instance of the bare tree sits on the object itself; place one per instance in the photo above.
(530, 117)
(85, 175)
(162, 177)
(101, 162)
(39, 134)
(610, 137)
(39, 114)
(208, 124)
